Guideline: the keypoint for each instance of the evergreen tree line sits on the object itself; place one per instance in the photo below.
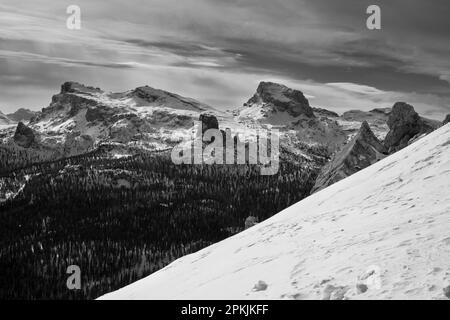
(122, 219)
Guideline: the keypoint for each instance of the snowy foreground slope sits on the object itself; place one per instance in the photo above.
(382, 233)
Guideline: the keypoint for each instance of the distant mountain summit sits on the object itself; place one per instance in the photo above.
(80, 117)
(280, 98)
(22, 114)
(145, 96)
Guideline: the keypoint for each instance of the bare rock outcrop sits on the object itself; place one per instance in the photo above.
(446, 120)
(362, 151)
(24, 136)
(209, 121)
(404, 124)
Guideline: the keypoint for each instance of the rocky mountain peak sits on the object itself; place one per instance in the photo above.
(404, 124)
(362, 151)
(24, 136)
(365, 129)
(75, 87)
(282, 99)
(402, 112)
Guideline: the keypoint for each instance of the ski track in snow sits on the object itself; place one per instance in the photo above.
(394, 215)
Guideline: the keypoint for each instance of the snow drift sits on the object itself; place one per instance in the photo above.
(382, 233)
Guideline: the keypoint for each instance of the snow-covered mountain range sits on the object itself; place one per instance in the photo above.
(81, 118)
(381, 233)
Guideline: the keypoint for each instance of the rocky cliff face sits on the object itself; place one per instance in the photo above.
(281, 99)
(446, 120)
(24, 136)
(362, 151)
(404, 124)
(209, 121)
(405, 127)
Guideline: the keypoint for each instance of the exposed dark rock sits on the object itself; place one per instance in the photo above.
(209, 121)
(75, 87)
(404, 124)
(332, 292)
(446, 120)
(24, 136)
(250, 222)
(282, 99)
(362, 151)
(101, 113)
(361, 288)
(260, 286)
(147, 95)
(325, 113)
(447, 291)
(68, 103)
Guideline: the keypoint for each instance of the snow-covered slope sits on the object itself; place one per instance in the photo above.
(382, 233)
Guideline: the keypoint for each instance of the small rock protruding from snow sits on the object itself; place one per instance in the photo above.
(369, 279)
(334, 292)
(260, 286)
(250, 222)
(361, 288)
(447, 291)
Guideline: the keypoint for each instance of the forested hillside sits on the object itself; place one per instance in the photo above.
(122, 219)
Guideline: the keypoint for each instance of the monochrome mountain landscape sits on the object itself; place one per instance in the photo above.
(89, 181)
(379, 234)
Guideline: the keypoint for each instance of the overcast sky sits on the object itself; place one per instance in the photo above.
(217, 51)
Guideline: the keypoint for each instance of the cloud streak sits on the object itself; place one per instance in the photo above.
(217, 51)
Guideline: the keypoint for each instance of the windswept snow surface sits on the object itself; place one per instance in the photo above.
(382, 233)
